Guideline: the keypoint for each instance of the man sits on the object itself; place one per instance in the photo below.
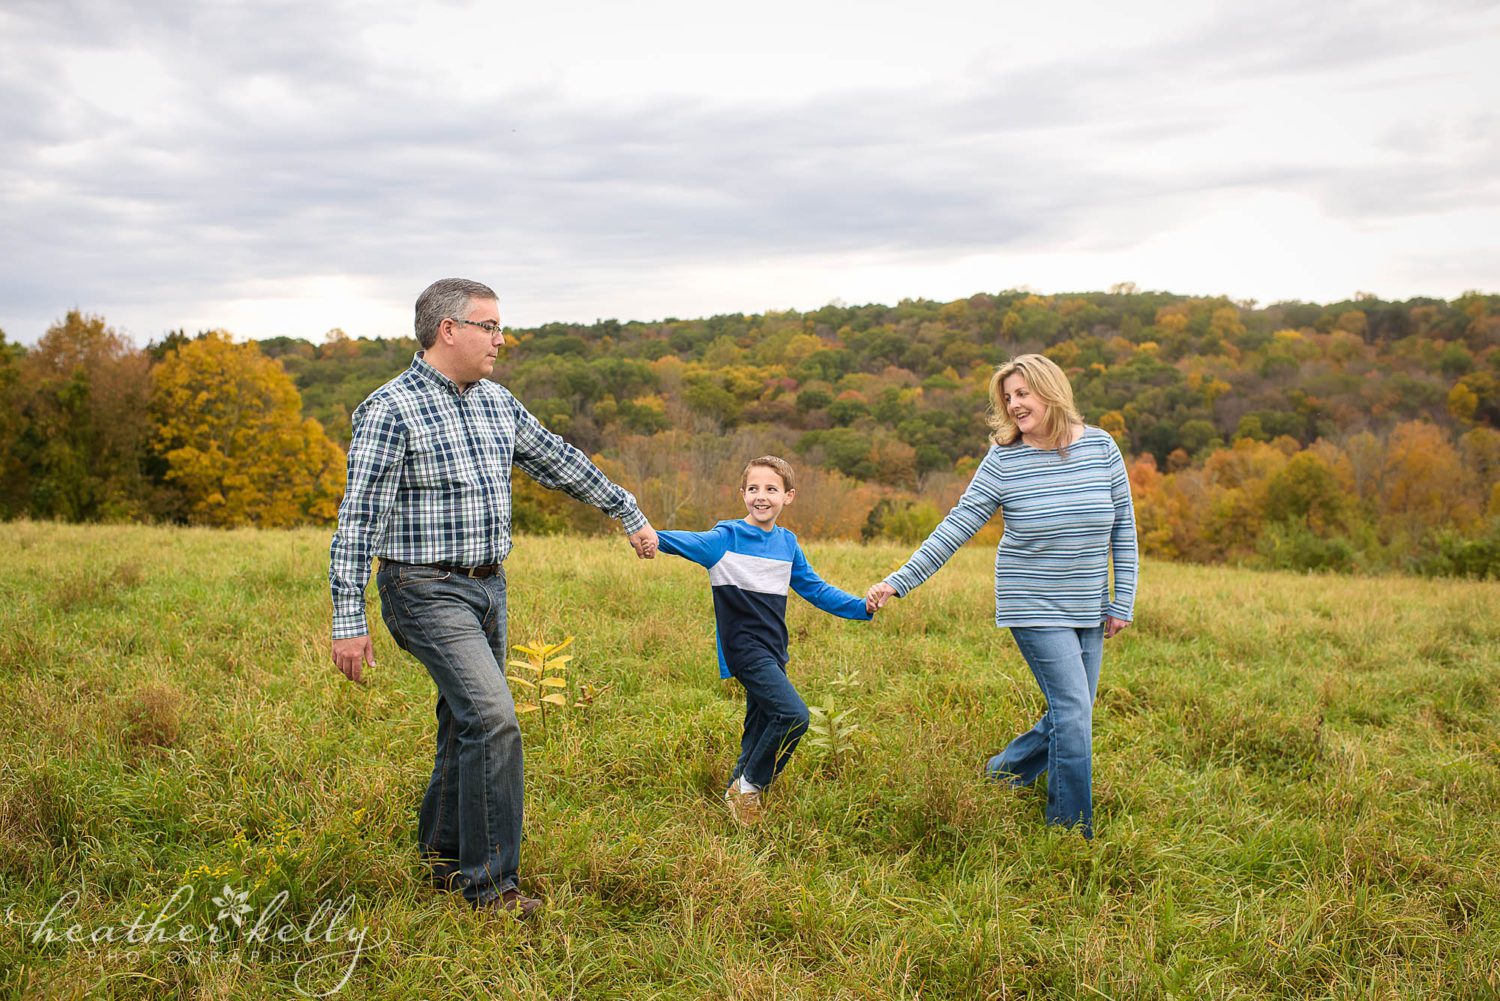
(429, 493)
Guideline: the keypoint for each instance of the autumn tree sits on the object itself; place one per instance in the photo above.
(1152, 517)
(1480, 449)
(1426, 484)
(83, 428)
(1481, 397)
(1114, 422)
(229, 426)
(13, 494)
(1462, 403)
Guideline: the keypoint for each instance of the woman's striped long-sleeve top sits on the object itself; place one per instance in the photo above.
(1064, 519)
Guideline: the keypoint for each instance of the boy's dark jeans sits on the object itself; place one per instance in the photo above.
(471, 813)
(775, 719)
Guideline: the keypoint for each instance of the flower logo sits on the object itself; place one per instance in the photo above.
(232, 905)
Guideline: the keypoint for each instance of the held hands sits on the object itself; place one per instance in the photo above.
(350, 655)
(877, 596)
(644, 543)
(1113, 626)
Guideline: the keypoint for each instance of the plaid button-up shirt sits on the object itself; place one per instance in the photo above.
(429, 481)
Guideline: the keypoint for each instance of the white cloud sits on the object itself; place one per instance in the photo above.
(280, 169)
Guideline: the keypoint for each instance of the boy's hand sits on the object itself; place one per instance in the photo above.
(877, 596)
(644, 543)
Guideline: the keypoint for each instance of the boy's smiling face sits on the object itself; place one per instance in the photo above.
(764, 495)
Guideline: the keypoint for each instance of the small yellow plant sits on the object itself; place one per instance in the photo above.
(544, 674)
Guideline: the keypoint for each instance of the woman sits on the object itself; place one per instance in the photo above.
(1066, 500)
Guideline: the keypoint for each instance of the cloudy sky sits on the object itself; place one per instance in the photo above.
(279, 167)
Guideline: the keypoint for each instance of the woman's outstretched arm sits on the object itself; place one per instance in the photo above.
(978, 504)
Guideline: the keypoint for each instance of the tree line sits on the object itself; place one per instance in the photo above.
(203, 431)
(1352, 435)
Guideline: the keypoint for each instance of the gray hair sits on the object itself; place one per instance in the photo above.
(442, 299)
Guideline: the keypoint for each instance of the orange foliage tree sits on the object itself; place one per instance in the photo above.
(1426, 483)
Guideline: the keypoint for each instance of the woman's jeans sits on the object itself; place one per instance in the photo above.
(775, 719)
(1065, 663)
(471, 812)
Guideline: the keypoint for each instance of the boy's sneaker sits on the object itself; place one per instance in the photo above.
(744, 806)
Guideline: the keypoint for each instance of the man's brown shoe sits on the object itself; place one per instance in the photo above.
(515, 902)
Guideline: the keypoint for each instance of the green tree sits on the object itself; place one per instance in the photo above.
(902, 520)
(1456, 360)
(1199, 436)
(706, 396)
(13, 478)
(84, 432)
(1306, 492)
(843, 412)
(1250, 429)
(813, 399)
(845, 449)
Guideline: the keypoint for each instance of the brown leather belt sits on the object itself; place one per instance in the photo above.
(481, 572)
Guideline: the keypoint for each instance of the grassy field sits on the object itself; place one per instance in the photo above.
(1297, 791)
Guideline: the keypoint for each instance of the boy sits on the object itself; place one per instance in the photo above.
(751, 563)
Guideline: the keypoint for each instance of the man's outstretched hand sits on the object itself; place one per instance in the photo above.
(350, 655)
(644, 543)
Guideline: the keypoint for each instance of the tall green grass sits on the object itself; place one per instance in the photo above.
(1297, 788)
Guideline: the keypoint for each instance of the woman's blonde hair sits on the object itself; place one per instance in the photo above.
(1049, 384)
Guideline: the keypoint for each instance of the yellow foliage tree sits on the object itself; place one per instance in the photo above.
(1462, 403)
(228, 423)
(1225, 323)
(1114, 422)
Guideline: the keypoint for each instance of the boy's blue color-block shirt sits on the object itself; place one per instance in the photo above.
(751, 571)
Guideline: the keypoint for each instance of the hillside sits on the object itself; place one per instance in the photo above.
(1349, 436)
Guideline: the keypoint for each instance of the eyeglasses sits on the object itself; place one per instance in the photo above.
(488, 326)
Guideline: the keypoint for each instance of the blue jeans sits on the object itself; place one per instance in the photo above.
(1065, 663)
(469, 825)
(775, 720)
